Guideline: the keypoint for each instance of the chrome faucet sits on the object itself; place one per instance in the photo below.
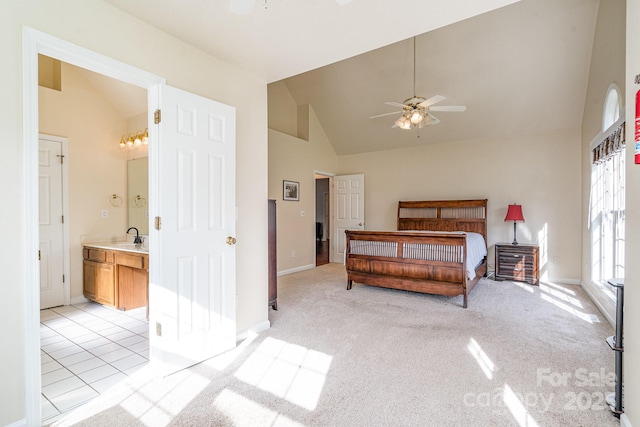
(136, 239)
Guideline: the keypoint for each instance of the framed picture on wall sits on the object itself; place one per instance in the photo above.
(290, 190)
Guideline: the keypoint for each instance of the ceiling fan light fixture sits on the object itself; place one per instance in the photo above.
(416, 110)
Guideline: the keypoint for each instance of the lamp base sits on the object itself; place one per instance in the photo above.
(515, 242)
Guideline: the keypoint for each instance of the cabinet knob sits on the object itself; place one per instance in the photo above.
(231, 240)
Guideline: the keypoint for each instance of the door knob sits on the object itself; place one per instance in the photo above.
(231, 240)
(360, 224)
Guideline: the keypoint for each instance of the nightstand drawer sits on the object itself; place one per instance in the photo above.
(511, 259)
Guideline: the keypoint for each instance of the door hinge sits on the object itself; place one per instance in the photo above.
(157, 117)
(63, 278)
(158, 223)
(61, 158)
(63, 219)
(39, 256)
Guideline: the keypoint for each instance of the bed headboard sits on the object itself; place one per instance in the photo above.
(444, 215)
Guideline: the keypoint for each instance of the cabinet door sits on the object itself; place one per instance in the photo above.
(105, 283)
(132, 287)
(89, 279)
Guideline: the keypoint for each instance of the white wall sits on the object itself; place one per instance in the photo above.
(104, 29)
(541, 172)
(632, 276)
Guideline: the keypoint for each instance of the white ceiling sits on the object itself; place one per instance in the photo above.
(294, 36)
(520, 68)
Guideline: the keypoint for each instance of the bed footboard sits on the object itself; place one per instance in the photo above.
(431, 263)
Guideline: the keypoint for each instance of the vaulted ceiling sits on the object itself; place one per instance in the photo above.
(518, 66)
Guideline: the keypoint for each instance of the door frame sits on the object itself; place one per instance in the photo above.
(35, 42)
(66, 263)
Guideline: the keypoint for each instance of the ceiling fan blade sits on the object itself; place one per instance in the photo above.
(395, 104)
(450, 108)
(241, 7)
(433, 100)
(433, 120)
(385, 114)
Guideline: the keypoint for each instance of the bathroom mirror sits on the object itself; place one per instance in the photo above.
(138, 193)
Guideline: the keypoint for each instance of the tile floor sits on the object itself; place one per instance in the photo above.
(85, 349)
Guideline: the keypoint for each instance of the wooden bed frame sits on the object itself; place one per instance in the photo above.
(442, 271)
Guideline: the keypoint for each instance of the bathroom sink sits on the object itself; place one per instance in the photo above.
(128, 246)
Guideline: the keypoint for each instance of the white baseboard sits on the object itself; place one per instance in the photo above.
(565, 281)
(607, 312)
(19, 423)
(624, 421)
(296, 269)
(255, 329)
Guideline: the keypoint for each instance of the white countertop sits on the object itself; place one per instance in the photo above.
(120, 246)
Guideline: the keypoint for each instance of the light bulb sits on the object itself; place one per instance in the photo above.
(145, 138)
(416, 117)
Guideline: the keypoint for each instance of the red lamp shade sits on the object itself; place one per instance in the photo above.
(514, 213)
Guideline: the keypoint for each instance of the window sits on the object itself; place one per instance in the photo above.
(611, 110)
(607, 204)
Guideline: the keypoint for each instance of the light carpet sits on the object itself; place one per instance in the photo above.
(518, 355)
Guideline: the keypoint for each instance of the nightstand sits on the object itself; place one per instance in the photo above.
(517, 262)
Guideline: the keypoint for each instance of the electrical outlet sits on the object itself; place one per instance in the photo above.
(293, 254)
(105, 213)
(302, 213)
(158, 329)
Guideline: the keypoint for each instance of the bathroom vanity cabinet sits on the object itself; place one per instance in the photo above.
(117, 278)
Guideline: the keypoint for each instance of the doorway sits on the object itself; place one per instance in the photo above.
(35, 43)
(322, 216)
(170, 347)
(87, 347)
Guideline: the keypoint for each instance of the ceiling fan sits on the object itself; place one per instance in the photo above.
(244, 7)
(416, 111)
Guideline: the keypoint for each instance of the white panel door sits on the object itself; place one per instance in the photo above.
(348, 210)
(193, 305)
(51, 225)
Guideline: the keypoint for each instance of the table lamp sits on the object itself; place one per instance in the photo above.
(514, 213)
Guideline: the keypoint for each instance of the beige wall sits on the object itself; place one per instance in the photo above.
(295, 159)
(607, 67)
(283, 111)
(541, 172)
(632, 276)
(97, 169)
(106, 30)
